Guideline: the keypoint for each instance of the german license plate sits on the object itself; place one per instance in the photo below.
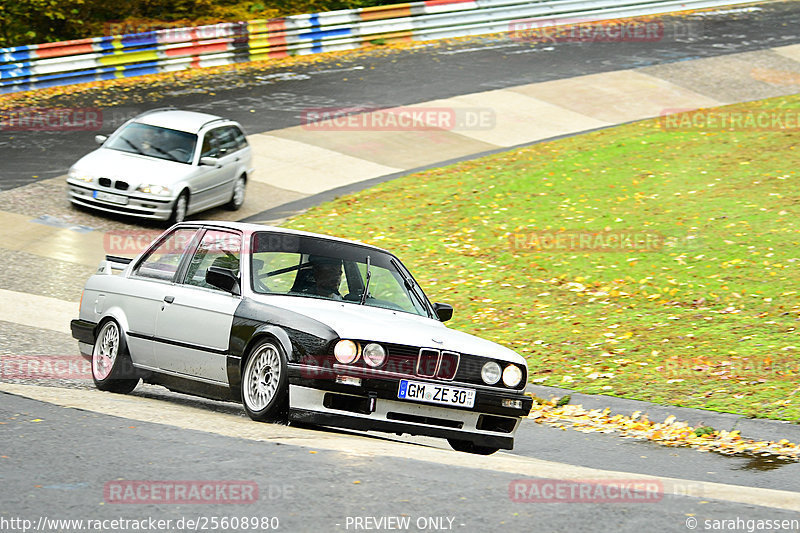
(111, 198)
(435, 393)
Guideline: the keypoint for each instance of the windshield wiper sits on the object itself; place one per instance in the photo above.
(156, 148)
(160, 151)
(366, 285)
(138, 150)
(412, 287)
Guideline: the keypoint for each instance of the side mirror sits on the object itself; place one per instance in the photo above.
(223, 278)
(209, 161)
(100, 139)
(443, 311)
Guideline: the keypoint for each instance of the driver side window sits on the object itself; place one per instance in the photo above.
(217, 248)
(162, 262)
(210, 145)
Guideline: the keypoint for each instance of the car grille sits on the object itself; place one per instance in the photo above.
(120, 185)
(470, 369)
(429, 363)
(448, 366)
(422, 362)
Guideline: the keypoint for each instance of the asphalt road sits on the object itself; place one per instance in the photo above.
(271, 98)
(56, 461)
(60, 463)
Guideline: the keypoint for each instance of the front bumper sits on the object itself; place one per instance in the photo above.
(83, 332)
(374, 405)
(140, 205)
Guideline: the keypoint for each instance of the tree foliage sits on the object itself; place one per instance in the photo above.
(41, 21)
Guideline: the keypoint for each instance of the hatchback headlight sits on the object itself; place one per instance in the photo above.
(160, 190)
(346, 352)
(512, 375)
(490, 373)
(77, 175)
(374, 354)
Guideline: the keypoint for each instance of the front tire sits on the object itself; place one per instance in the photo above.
(112, 369)
(265, 383)
(237, 198)
(470, 447)
(180, 208)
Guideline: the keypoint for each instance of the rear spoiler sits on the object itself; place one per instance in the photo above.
(113, 263)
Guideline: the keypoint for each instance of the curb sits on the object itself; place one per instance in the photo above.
(751, 428)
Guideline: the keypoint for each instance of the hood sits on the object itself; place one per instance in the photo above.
(133, 168)
(361, 322)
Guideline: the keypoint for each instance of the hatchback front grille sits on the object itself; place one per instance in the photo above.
(119, 185)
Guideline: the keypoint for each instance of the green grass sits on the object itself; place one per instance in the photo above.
(708, 319)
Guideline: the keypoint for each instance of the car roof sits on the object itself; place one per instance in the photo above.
(247, 227)
(177, 119)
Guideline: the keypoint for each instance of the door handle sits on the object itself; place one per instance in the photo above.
(169, 299)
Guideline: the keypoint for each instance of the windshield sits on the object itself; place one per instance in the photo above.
(310, 267)
(153, 141)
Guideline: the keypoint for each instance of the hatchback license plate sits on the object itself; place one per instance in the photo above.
(433, 393)
(112, 198)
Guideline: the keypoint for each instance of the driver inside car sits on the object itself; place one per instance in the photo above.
(327, 277)
(149, 140)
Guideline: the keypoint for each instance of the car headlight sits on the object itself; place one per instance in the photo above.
(490, 373)
(374, 354)
(346, 352)
(512, 375)
(77, 175)
(148, 188)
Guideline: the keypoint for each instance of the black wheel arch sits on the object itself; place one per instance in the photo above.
(235, 364)
(297, 334)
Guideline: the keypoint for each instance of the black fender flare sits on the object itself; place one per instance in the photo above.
(235, 363)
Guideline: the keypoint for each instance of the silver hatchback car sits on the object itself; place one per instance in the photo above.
(164, 164)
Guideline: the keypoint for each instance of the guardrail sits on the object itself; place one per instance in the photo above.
(100, 58)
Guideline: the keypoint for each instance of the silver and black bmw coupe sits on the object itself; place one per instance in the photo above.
(292, 324)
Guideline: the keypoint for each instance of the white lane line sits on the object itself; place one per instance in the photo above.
(37, 311)
(533, 50)
(330, 70)
(163, 411)
(476, 49)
